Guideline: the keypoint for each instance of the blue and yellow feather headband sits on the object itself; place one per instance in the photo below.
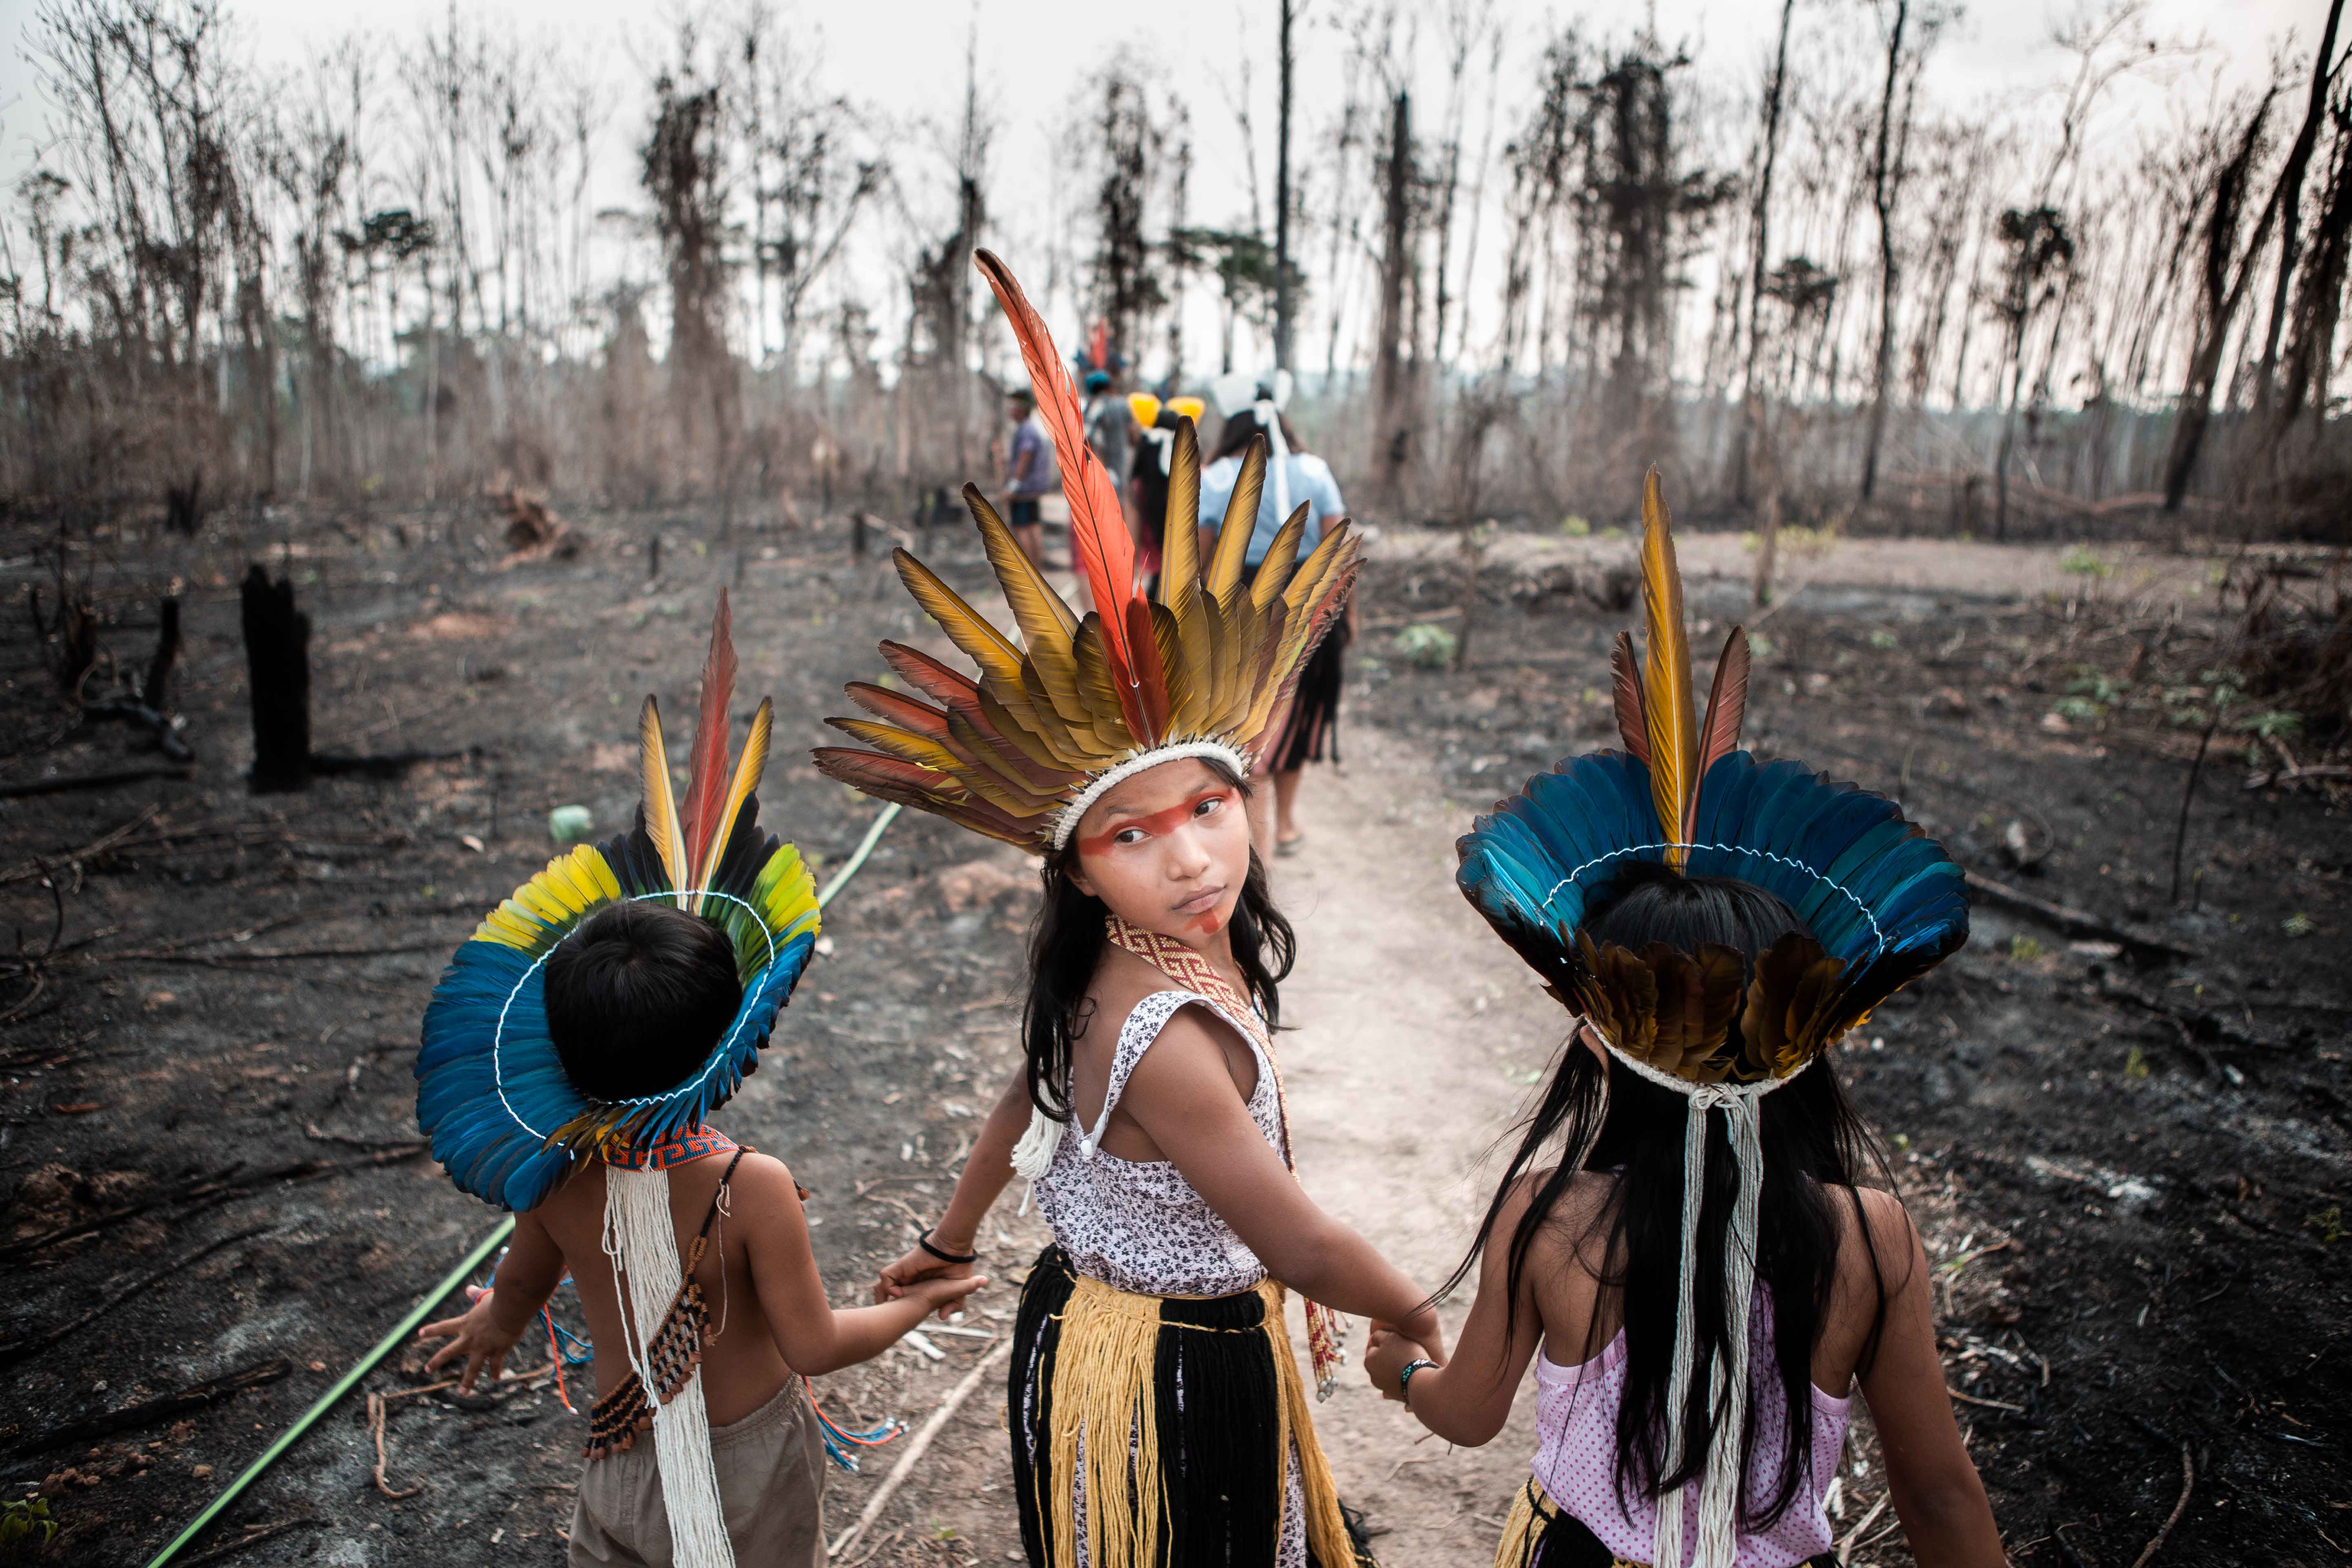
(505, 1121)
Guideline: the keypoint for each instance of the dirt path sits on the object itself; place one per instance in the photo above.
(1416, 1032)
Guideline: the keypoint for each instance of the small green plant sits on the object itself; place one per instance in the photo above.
(2079, 709)
(2024, 949)
(2095, 685)
(1427, 645)
(2297, 924)
(2136, 1063)
(2083, 561)
(25, 1525)
(1760, 647)
(2273, 725)
(1882, 639)
(1575, 527)
(2329, 1222)
(1612, 532)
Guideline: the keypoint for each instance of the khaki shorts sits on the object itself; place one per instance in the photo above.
(771, 1479)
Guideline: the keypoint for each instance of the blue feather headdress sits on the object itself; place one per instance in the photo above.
(505, 1121)
(1881, 902)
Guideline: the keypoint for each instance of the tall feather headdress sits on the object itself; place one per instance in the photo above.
(1879, 902)
(1200, 668)
(491, 1093)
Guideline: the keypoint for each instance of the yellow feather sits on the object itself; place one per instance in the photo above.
(1665, 670)
(1190, 407)
(748, 769)
(1180, 579)
(660, 799)
(593, 871)
(1144, 406)
(1240, 521)
(999, 660)
(1046, 621)
(1274, 571)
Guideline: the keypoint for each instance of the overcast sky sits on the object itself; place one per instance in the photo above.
(905, 63)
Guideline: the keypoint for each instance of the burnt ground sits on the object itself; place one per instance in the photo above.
(2131, 1164)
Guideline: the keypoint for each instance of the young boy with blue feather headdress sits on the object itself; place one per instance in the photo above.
(572, 1055)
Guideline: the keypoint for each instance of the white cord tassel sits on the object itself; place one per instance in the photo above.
(1270, 418)
(1718, 1484)
(642, 1242)
(1034, 1155)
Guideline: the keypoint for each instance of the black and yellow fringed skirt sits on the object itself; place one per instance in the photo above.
(1209, 1396)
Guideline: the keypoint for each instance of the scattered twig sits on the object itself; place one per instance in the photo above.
(2298, 776)
(2201, 1023)
(375, 1430)
(1988, 1404)
(2188, 1482)
(918, 1445)
(1853, 1537)
(268, 955)
(2071, 922)
(253, 1537)
(2189, 794)
(18, 1350)
(215, 1188)
(146, 1413)
(92, 780)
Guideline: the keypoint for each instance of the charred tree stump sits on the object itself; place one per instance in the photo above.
(183, 505)
(277, 669)
(167, 649)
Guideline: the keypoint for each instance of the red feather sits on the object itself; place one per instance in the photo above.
(706, 778)
(1150, 688)
(1098, 535)
(1626, 682)
(1727, 707)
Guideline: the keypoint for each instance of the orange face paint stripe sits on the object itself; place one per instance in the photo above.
(1157, 823)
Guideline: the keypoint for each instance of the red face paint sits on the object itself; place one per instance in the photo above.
(1157, 823)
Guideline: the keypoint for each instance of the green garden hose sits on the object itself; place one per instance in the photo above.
(455, 1277)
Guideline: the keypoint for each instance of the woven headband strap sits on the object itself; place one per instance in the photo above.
(1103, 783)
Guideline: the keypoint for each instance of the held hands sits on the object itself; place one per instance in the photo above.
(1387, 1354)
(919, 1273)
(478, 1337)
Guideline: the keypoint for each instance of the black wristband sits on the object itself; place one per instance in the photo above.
(924, 1241)
(1404, 1380)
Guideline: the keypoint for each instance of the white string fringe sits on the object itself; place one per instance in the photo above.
(642, 1242)
(1718, 1484)
(1034, 1155)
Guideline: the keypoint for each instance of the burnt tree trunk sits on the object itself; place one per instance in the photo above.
(1395, 435)
(1284, 306)
(1882, 198)
(2218, 306)
(2290, 203)
(1761, 233)
(277, 670)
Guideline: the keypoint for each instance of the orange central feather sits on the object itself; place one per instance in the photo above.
(1098, 535)
(700, 813)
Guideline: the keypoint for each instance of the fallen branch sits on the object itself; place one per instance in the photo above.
(1845, 1548)
(375, 1430)
(2196, 1023)
(146, 1413)
(253, 1537)
(2188, 1480)
(1988, 1404)
(218, 1187)
(2071, 922)
(266, 955)
(2298, 775)
(920, 1445)
(18, 1349)
(91, 780)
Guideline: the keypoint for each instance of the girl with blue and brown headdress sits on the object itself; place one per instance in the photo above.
(1695, 1241)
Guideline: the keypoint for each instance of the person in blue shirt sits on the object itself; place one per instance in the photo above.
(1312, 729)
(1029, 473)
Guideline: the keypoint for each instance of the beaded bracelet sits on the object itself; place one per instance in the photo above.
(1404, 1380)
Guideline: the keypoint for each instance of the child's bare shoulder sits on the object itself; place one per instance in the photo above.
(759, 1173)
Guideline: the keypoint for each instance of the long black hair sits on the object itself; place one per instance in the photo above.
(1816, 1149)
(1067, 943)
(1240, 430)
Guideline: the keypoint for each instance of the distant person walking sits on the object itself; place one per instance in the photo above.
(1029, 473)
(1147, 475)
(1293, 475)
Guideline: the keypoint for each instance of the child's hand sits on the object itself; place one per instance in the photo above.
(943, 1294)
(1387, 1354)
(476, 1336)
(918, 1267)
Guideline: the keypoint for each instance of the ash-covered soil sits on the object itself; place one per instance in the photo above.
(2131, 1162)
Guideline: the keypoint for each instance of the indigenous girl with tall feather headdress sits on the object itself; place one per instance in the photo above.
(573, 1054)
(1157, 1416)
(1702, 1277)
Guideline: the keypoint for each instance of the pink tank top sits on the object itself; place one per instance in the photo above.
(1576, 1417)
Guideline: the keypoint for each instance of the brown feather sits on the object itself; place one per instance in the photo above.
(1234, 531)
(1727, 707)
(1626, 683)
